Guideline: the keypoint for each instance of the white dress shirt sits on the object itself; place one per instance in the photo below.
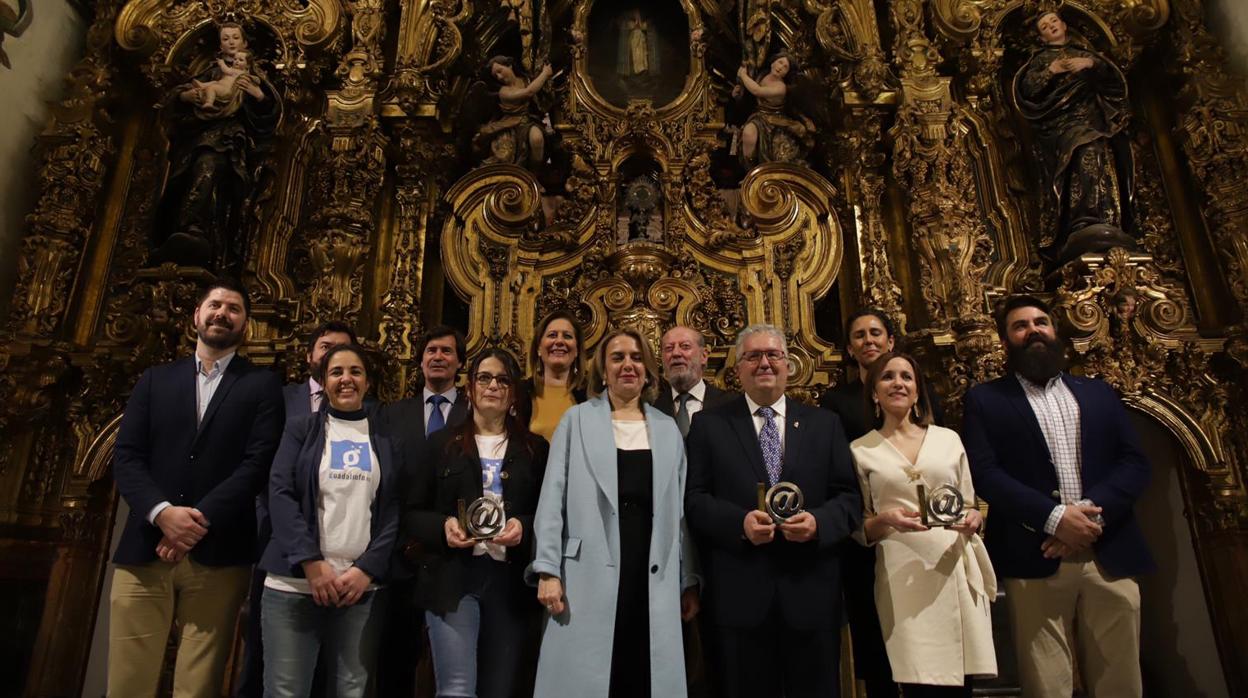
(697, 399)
(778, 406)
(316, 395)
(1057, 411)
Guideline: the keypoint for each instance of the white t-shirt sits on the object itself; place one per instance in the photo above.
(492, 449)
(348, 478)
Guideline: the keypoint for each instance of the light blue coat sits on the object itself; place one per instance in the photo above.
(577, 536)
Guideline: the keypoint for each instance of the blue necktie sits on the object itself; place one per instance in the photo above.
(436, 420)
(769, 441)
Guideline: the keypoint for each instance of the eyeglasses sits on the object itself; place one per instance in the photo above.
(773, 356)
(484, 379)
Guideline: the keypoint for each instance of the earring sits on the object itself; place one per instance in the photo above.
(914, 412)
(878, 413)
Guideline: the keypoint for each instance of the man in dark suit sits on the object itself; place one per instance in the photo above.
(775, 588)
(683, 395)
(684, 354)
(439, 405)
(301, 399)
(1059, 464)
(193, 450)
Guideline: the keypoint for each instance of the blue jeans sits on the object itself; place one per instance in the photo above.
(295, 629)
(476, 647)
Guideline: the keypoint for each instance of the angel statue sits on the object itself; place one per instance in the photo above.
(221, 118)
(775, 132)
(514, 132)
(1076, 102)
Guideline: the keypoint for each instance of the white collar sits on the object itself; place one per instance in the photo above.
(220, 365)
(778, 406)
(698, 391)
(450, 395)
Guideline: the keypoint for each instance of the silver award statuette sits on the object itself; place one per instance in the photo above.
(784, 501)
(942, 507)
(483, 519)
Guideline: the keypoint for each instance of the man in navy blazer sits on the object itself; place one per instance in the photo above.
(301, 399)
(193, 450)
(775, 589)
(438, 405)
(1058, 462)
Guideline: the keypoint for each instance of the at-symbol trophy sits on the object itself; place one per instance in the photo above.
(942, 507)
(782, 502)
(483, 519)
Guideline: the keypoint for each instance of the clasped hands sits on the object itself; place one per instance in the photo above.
(183, 528)
(1070, 65)
(329, 589)
(760, 529)
(1076, 531)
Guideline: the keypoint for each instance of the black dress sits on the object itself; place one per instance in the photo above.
(630, 651)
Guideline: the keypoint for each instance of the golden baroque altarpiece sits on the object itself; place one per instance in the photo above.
(908, 183)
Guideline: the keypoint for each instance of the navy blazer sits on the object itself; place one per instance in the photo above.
(1014, 473)
(217, 464)
(725, 467)
(436, 481)
(294, 494)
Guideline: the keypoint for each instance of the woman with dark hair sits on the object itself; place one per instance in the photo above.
(773, 133)
(933, 586)
(477, 605)
(334, 504)
(557, 362)
(613, 563)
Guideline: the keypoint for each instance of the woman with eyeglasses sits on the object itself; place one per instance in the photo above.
(488, 469)
(613, 564)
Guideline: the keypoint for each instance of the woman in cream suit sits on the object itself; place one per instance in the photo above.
(612, 555)
(933, 585)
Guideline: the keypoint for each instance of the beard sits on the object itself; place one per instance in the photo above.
(683, 379)
(1037, 359)
(232, 338)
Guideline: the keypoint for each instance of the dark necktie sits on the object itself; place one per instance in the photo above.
(436, 420)
(769, 441)
(318, 399)
(682, 413)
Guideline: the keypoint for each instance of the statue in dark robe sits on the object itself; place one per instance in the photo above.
(212, 153)
(1076, 102)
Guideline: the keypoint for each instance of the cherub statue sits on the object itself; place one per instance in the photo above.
(225, 90)
(774, 132)
(514, 133)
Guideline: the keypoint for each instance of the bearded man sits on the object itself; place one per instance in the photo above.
(1060, 466)
(193, 451)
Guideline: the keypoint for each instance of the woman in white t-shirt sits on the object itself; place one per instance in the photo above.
(334, 502)
(478, 609)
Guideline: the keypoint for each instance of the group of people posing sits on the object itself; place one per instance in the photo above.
(627, 553)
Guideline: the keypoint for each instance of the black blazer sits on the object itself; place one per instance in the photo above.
(725, 466)
(714, 397)
(294, 494)
(1014, 473)
(436, 481)
(405, 419)
(217, 466)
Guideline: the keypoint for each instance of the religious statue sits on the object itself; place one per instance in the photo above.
(775, 132)
(637, 63)
(514, 134)
(1076, 101)
(220, 118)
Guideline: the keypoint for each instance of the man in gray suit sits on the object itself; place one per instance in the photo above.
(685, 393)
(302, 399)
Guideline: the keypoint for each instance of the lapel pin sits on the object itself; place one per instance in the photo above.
(796, 424)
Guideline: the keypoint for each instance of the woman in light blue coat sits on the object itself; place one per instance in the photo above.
(614, 565)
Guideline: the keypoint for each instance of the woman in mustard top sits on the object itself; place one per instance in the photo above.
(558, 378)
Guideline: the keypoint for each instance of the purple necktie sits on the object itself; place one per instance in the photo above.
(769, 441)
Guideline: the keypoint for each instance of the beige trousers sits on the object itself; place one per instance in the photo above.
(1077, 610)
(144, 603)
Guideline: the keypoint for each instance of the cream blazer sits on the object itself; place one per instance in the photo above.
(932, 588)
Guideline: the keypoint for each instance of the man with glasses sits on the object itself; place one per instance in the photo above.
(774, 587)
